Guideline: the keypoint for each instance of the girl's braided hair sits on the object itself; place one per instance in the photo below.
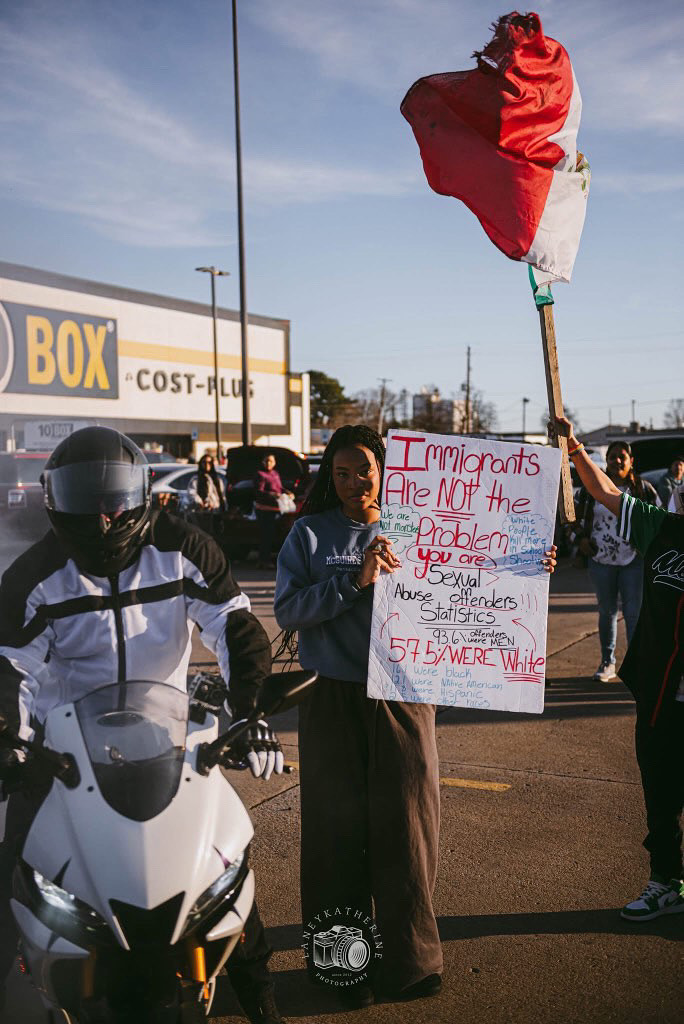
(323, 495)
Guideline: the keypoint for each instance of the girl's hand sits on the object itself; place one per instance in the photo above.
(549, 560)
(378, 556)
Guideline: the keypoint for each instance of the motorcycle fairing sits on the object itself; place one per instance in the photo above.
(234, 921)
(42, 948)
(112, 857)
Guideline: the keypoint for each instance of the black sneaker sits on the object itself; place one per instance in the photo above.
(259, 1005)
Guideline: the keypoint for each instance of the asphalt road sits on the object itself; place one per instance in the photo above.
(541, 836)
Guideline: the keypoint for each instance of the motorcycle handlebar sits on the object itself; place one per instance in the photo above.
(279, 693)
(61, 766)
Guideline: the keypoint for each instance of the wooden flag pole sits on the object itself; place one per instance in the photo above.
(566, 504)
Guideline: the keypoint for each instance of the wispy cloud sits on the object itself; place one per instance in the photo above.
(635, 183)
(379, 47)
(81, 135)
(300, 182)
(628, 61)
(80, 139)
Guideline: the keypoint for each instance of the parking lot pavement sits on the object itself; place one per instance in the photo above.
(540, 845)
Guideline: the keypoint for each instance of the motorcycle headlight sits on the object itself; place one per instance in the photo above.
(219, 895)
(60, 910)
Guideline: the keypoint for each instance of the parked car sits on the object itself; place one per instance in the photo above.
(170, 484)
(22, 510)
(162, 456)
(237, 530)
(313, 461)
(654, 476)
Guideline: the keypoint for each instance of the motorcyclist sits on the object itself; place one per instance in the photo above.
(112, 592)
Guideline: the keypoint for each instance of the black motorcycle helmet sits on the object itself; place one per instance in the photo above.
(96, 485)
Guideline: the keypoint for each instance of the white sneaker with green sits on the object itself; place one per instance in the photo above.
(659, 897)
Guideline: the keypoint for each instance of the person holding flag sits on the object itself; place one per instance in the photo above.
(653, 669)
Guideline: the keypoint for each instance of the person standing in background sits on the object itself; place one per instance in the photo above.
(615, 567)
(268, 489)
(206, 490)
(671, 481)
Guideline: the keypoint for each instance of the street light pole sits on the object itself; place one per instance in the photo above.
(214, 272)
(246, 421)
(524, 401)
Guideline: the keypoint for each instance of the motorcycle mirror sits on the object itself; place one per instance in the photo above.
(278, 693)
(284, 690)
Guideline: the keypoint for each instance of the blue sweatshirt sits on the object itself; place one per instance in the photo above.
(315, 595)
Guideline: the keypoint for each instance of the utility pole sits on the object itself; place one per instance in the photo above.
(524, 405)
(633, 413)
(468, 409)
(244, 352)
(214, 272)
(381, 410)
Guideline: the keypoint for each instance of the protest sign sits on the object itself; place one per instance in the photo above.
(463, 622)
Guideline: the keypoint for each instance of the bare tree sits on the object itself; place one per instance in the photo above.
(369, 403)
(673, 417)
(569, 413)
(483, 414)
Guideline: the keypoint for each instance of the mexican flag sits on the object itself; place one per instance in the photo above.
(503, 139)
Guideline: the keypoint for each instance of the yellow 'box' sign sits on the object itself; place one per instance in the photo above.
(49, 351)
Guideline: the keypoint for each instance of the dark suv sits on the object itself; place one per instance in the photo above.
(243, 464)
(22, 512)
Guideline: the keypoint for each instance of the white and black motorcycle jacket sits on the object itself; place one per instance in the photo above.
(64, 633)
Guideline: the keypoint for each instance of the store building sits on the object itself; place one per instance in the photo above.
(74, 352)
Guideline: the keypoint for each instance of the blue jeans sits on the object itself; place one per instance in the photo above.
(609, 581)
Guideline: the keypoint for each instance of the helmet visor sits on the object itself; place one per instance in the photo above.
(96, 488)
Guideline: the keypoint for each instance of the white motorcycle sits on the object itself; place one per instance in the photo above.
(134, 881)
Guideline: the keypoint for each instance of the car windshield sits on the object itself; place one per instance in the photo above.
(135, 736)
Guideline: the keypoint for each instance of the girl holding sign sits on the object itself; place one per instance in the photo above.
(653, 669)
(369, 770)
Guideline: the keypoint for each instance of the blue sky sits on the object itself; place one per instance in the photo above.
(117, 165)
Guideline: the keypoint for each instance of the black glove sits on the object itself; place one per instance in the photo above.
(260, 748)
(9, 764)
(27, 775)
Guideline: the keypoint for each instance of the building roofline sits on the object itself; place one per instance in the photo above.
(50, 279)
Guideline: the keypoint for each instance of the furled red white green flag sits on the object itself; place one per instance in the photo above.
(503, 139)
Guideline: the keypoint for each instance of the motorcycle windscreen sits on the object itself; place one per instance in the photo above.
(135, 734)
